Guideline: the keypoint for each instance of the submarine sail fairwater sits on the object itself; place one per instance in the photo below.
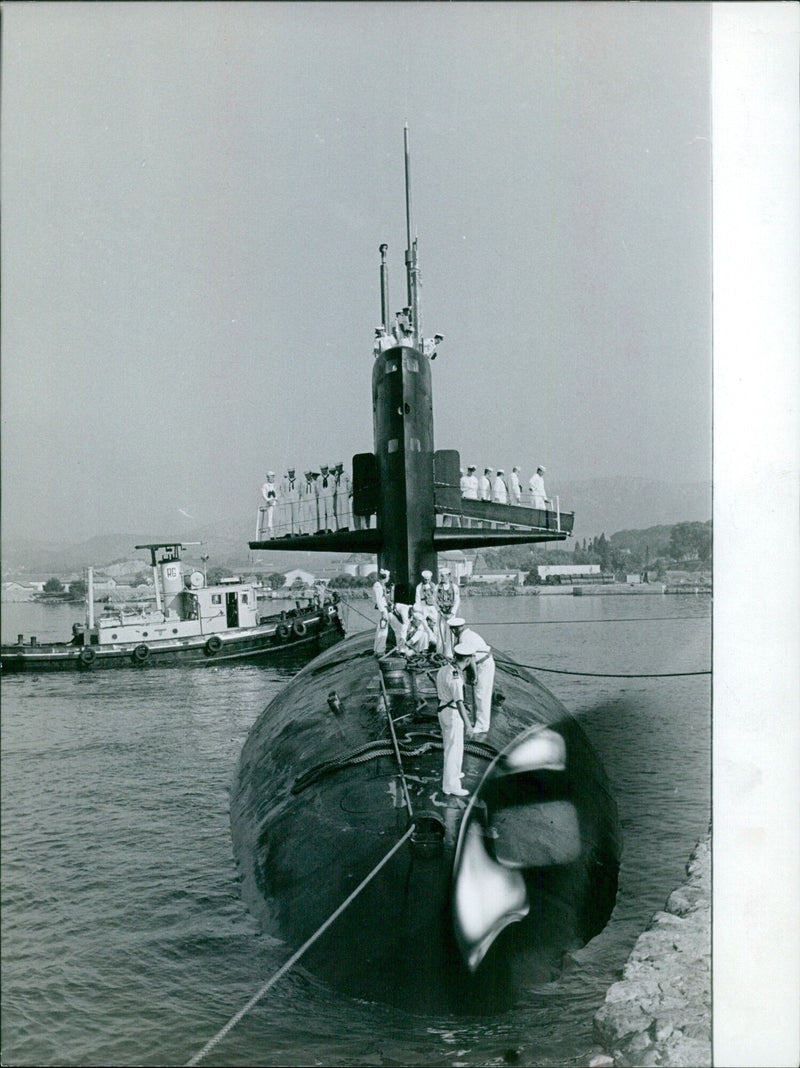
(485, 889)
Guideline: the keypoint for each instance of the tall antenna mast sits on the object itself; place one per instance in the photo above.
(412, 269)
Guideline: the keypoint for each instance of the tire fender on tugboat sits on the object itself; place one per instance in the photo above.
(283, 631)
(299, 629)
(213, 645)
(141, 653)
(87, 656)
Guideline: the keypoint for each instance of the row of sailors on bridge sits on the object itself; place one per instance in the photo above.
(493, 486)
(433, 622)
(320, 501)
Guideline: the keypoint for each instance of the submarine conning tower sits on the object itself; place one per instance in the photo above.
(402, 405)
(411, 489)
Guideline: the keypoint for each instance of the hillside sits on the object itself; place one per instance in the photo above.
(620, 504)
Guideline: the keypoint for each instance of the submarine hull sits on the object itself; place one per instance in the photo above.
(317, 802)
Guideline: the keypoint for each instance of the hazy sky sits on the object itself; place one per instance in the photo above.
(193, 199)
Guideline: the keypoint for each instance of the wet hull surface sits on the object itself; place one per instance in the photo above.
(306, 838)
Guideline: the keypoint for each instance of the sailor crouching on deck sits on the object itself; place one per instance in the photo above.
(419, 633)
(483, 667)
(391, 614)
(454, 720)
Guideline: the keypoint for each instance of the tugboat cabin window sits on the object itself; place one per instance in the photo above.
(216, 598)
(244, 598)
(393, 445)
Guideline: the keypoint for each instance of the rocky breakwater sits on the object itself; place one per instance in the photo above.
(660, 1011)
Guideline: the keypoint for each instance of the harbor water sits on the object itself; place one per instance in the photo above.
(124, 937)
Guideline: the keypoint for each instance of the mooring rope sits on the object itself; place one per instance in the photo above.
(295, 957)
(552, 622)
(396, 746)
(615, 675)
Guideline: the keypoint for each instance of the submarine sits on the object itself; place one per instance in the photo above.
(452, 903)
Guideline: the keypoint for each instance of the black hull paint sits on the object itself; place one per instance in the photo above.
(302, 853)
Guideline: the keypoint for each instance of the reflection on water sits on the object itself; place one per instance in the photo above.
(124, 937)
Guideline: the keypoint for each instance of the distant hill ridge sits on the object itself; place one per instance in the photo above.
(601, 506)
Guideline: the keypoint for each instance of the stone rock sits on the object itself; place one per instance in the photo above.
(659, 1013)
(662, 1030)
(649, 1057)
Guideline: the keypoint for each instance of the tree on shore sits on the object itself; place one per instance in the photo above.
(690, 541)
(53, 585)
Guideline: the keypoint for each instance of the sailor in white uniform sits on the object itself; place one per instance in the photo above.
(484, 666)
(419, 635)
(469, 489)
(342, 497)
(269, 492)
(454, 720)
(425, 600)
(390, 614)
(469, 486)
(515, 490)
(499, 488)
(448, 598)
(308, 504)
(325, 486)
(290, 500)
(538, 493)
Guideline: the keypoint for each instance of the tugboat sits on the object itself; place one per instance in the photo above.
(340, 779)
(192, 623)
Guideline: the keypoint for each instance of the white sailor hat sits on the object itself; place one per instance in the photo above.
(472, 467)
(487, 469)
(385, 573)
(515, 468)
(456, 621)
(540, 468)
(270, 474)
(445, 571)
(427, 574)
(500, 471)
(416, 613)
